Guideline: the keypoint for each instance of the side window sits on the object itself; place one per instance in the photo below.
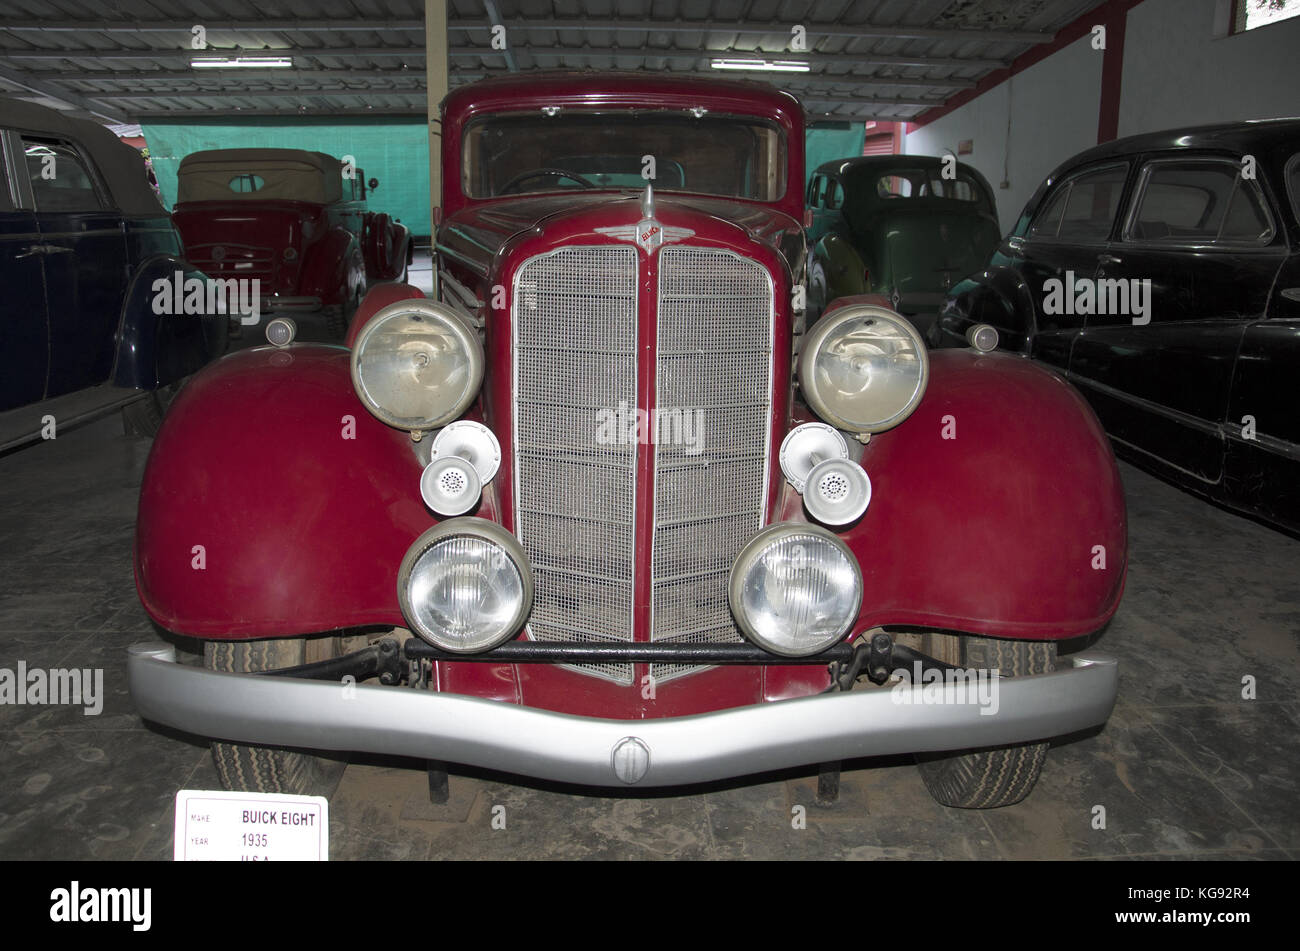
(835, 195)
(815, 191)
(1200, 202)
(1082, 209)
(60, 178)
(1048, 221)
(1092, 204)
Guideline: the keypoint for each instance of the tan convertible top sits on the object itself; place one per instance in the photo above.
(289, 174)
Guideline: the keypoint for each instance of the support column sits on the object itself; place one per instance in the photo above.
(435, 58)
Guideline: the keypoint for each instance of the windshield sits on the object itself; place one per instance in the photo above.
(735, 157)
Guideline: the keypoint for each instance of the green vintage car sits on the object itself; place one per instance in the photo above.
(906, 226)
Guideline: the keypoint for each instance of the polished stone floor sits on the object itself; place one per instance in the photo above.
(1185, 768)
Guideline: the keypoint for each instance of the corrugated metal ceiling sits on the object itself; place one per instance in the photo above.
(867, 59)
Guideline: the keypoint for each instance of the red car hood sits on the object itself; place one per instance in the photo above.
(477, 234)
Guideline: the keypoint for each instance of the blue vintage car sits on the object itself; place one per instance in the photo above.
(87, 252)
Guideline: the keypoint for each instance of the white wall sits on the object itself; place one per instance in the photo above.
(1176, 73)
(1053, 115)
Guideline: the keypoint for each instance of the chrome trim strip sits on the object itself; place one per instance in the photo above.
(247, 708)
(462, 298)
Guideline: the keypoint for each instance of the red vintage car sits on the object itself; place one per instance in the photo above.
(596, 515)
(293, 220)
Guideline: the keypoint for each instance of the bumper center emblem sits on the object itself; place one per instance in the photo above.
(630, 759)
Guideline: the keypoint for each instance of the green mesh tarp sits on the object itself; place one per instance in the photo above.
(392, 150)
(823, 145)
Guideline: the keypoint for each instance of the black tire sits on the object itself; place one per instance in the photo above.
(987, 778)
(336, 322)
(144, 417)
(268, 769)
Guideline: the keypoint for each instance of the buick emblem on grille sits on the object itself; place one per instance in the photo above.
(647, 233)
(631, 759)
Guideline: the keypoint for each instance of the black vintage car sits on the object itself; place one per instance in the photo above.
(906, 226)
(1161, 274)
(86, 250)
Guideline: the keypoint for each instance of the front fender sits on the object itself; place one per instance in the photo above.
(333, 266)
(273, 504)
(996, 508)
(997, 297)
(155, 349)
(844, 268)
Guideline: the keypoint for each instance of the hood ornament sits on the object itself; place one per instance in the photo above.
(647, 233)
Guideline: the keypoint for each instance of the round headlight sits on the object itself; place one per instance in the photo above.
(795, 589)
(863, 369)
(417, 365)
(465, 585)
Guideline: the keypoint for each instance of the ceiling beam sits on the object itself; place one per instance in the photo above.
(675, 55)
(136, 76)
(358, 25)
(304, 25)
(125, 55)
(312, 112)
(50, 91)
(274, 94)
(411, 80)
(815, 30)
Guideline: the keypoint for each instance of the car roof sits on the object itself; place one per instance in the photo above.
(1238, 137)
(881, 163)
(121, 166)
(598, 86)
(236, 157)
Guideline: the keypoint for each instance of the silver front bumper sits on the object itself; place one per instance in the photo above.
(274, 711)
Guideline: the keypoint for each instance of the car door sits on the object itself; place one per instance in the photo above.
(24, 327)
(1062, 248)
(1262, 452)
(1194, 264)
(84, 259)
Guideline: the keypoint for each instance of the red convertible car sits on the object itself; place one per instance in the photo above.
(295, 221)
(595, 515)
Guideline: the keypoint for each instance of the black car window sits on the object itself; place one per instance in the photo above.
(1082, 209)
(835, 195)
(894, 185)
(60, 178)
(815, 191)
(1199, 202)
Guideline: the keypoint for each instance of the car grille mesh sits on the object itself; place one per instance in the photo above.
(713, 368)
(575, 333)
(575, 494)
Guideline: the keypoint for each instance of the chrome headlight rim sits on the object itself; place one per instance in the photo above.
(812, 347)
(466, 337)
(475, 527)
(750, 554)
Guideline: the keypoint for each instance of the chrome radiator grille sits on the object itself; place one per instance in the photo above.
(575, 496)
(713, 380)
(575, 333)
